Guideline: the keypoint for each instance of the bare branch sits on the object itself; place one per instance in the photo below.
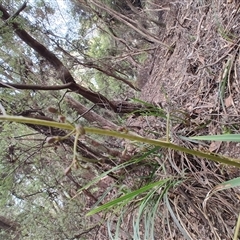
(34, 87)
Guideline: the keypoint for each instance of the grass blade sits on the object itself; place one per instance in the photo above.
(227, 184)
(127, 197)
(223, 137)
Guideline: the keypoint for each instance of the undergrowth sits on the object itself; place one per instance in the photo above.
(140, 206)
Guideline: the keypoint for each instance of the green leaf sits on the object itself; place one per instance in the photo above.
(224, 137)
(127, 197)
(228, 184)
(223, 186)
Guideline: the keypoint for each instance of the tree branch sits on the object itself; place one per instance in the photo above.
(64, 73)
(34, 87)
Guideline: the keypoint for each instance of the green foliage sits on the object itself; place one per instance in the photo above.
(127, 198)
(145, 193)
(99, 46)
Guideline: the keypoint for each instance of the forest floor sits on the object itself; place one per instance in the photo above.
(199, 82)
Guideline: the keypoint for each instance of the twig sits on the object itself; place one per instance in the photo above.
(229, 73)
(223, 83)
(34, 87)
(222, 57)
(198, 35)
(85, 112)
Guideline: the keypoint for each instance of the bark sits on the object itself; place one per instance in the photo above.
(11, 18)
(126, 107)
(34, 87)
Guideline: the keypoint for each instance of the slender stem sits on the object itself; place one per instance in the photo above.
(164, 144)
(210, 156)
(36, 121)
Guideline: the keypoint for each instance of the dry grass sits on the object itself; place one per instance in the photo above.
(201, 78)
